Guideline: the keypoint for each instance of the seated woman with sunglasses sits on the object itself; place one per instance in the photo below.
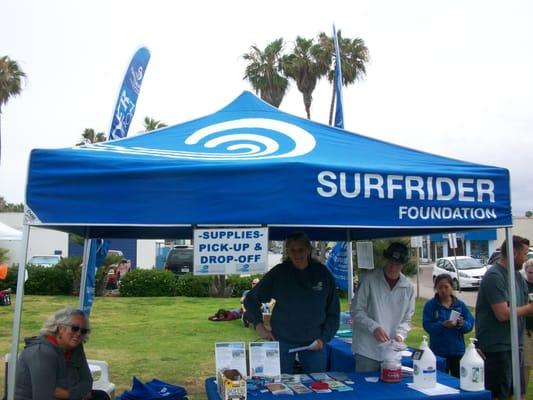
(54, 365)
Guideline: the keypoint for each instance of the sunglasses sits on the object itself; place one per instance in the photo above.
(77, 328)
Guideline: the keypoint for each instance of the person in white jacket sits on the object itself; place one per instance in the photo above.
(383, 310)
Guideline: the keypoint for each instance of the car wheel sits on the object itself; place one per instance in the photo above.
(455, 284)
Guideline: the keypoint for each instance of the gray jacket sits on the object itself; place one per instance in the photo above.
(42, 367)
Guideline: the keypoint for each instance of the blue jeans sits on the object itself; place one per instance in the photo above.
(312, 361)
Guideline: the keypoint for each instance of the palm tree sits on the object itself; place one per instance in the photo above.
(306, 64)
(264, 72)
(354, 57)
(11, 77)
(90, 136)
(151, 124)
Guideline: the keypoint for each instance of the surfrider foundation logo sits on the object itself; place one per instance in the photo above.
(239, 139)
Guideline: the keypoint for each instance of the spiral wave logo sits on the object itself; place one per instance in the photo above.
(239, 139)
(246, 146)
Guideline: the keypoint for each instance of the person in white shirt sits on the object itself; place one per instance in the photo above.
(383, 309)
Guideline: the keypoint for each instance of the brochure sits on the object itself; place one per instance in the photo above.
(304, 378)
(278, 388)
(438, 390)
(454, 315)
(320, 387)
(320, 376)
(339, 376)
(339, 386)
(230, 355)
(288, 378)
(264, 359)
(299, 388)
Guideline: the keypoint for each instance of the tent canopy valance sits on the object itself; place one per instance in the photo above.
(251, 164)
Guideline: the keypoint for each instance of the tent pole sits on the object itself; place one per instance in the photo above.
(350, 265)
(513, 315)
(15, 335)
(83, 281)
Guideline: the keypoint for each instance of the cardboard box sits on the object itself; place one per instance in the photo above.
(231, 385)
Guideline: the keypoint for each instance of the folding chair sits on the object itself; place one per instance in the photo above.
(100, 371)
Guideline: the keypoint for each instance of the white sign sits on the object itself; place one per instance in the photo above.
(223, 251)
(452, 240)
(264, 359)
(365, 255)
(230, 355)
(416, 241)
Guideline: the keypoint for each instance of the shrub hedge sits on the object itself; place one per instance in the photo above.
(61, 279)
(193, 286)
(147, 283)
(48, 281)
(240, 284)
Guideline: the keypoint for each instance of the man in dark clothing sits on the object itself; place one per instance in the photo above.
(307, 310)
(493, 328)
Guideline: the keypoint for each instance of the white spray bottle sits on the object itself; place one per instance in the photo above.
(425, 367)
(472, 369)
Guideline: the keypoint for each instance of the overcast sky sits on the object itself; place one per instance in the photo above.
(450, 77)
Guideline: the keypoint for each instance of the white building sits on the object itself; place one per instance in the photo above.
(48, 241)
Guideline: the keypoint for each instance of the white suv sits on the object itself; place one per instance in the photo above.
(468, 272)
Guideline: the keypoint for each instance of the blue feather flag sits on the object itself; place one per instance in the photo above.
(339, 116)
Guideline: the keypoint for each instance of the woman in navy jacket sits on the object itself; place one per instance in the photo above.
(447, 319)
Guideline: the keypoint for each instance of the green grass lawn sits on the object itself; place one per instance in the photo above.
(168, 338)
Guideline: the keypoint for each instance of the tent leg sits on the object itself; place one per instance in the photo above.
(83, 281)
(350, 265)
(15, 335)
(513, 317)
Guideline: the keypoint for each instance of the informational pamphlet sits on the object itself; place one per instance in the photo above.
(303, 378)
(320, 376)
(438, 390)
(339, 376)
(299, 388)
(230, 355)
(365, 255)
(264, 359)
(289, 378)
(278, 388)
(454, 315)
(338, 386)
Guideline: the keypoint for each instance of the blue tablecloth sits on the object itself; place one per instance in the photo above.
(366, 390)
(340, 357)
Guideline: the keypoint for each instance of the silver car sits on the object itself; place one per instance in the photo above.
(467, 273)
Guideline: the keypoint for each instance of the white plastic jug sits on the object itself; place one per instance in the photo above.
(472, 369)
(425, 367)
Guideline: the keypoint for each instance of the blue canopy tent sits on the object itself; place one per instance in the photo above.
(250, 164)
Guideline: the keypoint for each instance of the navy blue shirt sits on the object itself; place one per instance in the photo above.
(307, 305)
